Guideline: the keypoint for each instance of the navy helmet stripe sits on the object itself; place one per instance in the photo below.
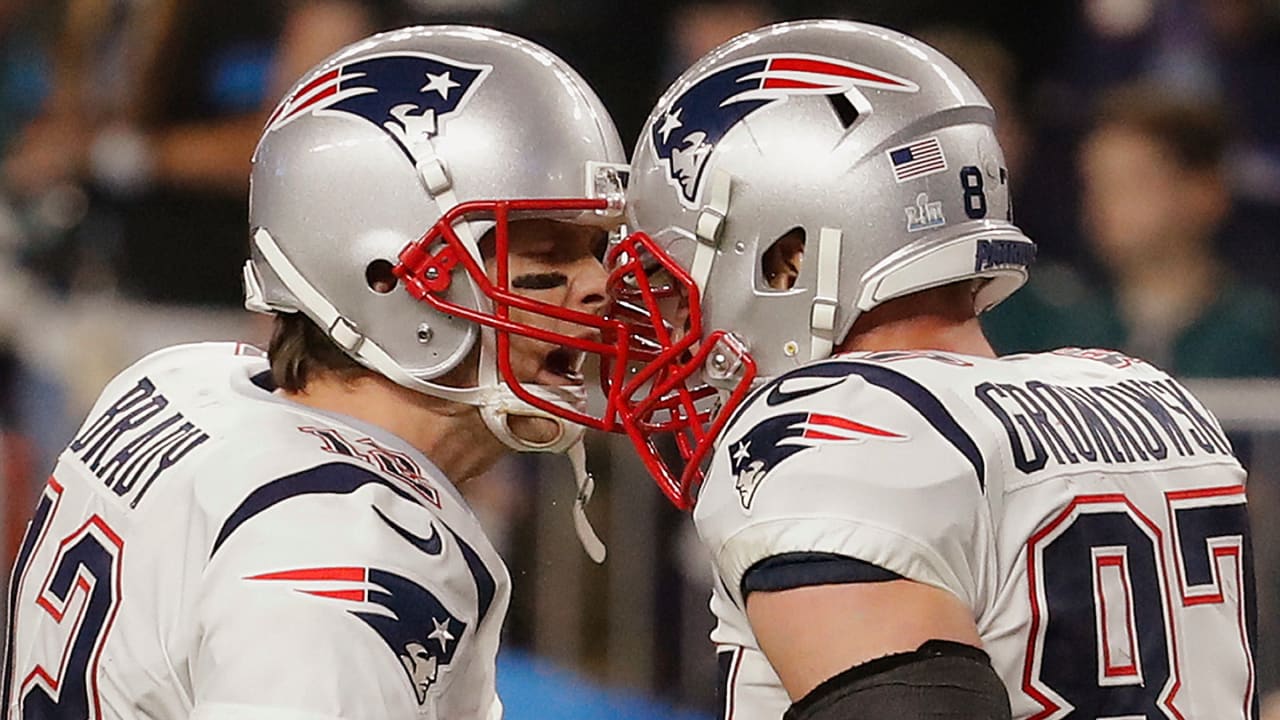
(329, 479)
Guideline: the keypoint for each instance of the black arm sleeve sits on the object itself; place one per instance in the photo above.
(941, 680)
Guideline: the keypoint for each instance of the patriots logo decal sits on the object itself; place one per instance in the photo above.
(688, 131)
(408, 95)
(413, 623)
(765, 446)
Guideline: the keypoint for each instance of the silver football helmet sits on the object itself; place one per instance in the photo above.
(396, 155)
(871, 148)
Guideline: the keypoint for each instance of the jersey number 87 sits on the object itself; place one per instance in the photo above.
(1098, 579)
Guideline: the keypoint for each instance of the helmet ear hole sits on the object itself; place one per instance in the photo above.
(379, 278)
(780, 263)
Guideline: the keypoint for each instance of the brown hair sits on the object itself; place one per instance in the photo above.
(1196, 132)
(300, 350)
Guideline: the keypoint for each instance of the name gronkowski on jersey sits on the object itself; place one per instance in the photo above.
(1086, 508)
(206, 549)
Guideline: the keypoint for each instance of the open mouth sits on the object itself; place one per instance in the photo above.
(565, 365)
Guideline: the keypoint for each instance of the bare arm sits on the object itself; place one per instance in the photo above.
(813, 633)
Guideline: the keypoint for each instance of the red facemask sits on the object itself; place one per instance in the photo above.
(651, 345)
(665, 394)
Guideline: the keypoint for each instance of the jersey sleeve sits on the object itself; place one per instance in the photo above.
(876, 471)
(325, 595)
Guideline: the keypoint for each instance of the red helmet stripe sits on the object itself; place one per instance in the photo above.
(775, 83)
(809, 65)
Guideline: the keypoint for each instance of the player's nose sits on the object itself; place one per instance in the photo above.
(589, 289)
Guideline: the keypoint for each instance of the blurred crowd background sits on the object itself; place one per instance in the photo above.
(1142, 137)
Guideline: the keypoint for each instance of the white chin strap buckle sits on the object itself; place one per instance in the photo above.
(586, 485)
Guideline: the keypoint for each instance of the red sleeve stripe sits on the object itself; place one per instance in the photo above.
(349, 574)
(847, 424)
(352, 595)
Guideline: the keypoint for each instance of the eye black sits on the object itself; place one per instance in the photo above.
(540, 281)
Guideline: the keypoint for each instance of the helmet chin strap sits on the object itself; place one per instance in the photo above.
(822, 315)
(503, 404)
(586, 486)
(497, 412)
(500, 403)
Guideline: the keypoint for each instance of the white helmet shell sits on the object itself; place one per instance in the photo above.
(874, 145)
(373, 147)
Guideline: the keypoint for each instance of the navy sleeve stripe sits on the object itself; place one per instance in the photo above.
(929, 407)
(331, 479)
(485, 585)
(915, 394)
(804, 569)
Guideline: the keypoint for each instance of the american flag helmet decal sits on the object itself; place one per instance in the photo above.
(917, 159)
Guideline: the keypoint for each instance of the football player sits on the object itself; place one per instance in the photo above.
(904, 525)
(239, 535)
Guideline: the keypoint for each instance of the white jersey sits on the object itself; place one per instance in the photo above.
(1086, 508)
(206, 549)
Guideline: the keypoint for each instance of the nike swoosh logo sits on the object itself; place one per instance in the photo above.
(777, 396)
(429, 545)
